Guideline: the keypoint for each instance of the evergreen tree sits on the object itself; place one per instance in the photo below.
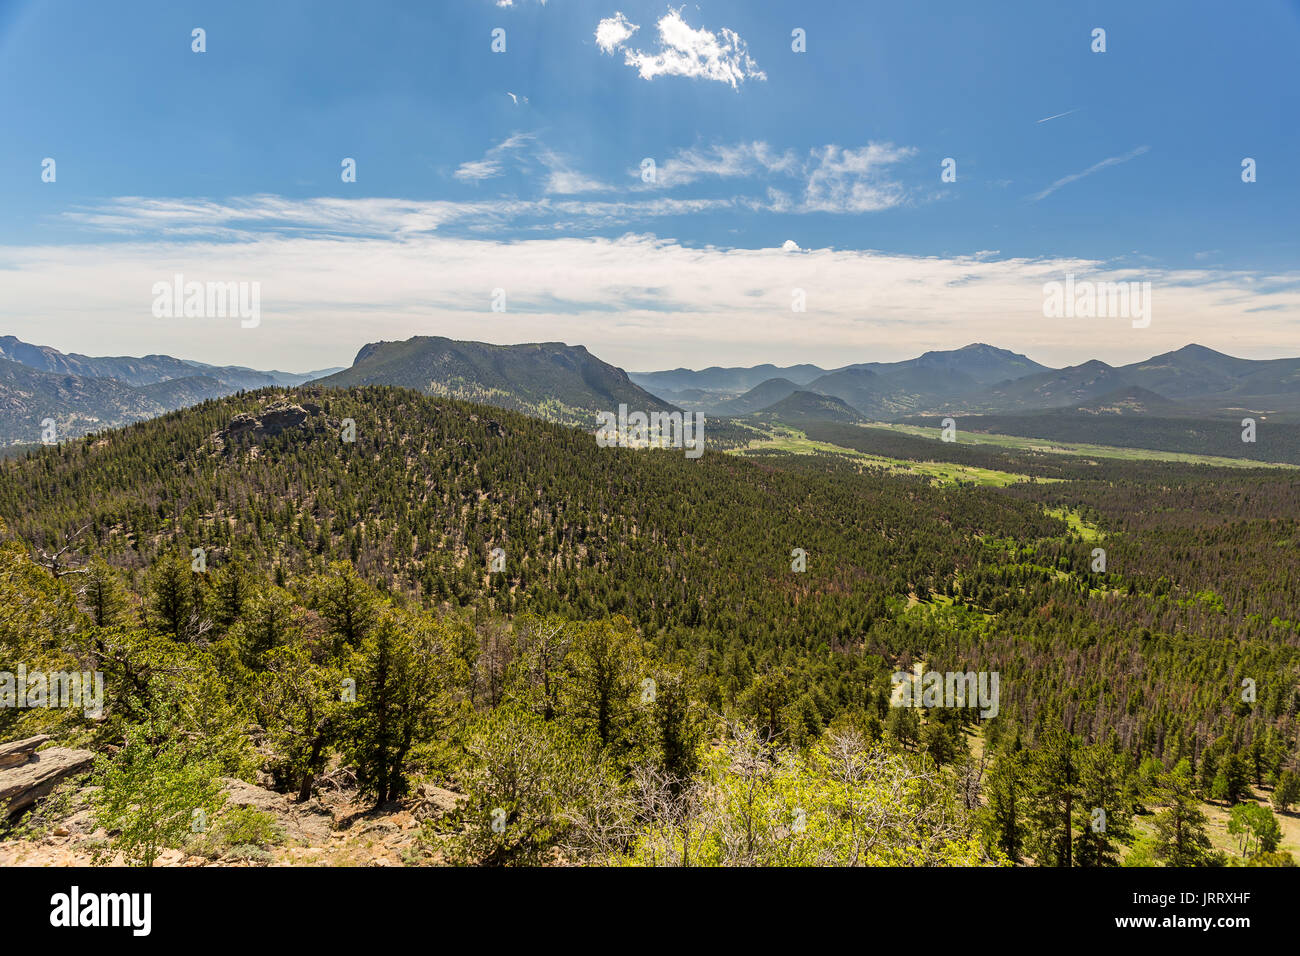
(1181, 839)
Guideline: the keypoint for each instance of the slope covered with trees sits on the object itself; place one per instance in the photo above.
(642, 672)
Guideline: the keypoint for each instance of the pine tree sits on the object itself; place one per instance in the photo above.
(102, 595)
(1181, 839)
(1053, 793)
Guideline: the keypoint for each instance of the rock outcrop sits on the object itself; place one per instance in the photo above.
(20, 751)
(271, 420)
(26, 780)
(307, 823)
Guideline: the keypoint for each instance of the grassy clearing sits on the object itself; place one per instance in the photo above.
(1217, 817)
(1072, 518)
(1078, 448)
(940, 472)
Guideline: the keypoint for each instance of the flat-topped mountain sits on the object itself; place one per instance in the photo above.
(550, 380)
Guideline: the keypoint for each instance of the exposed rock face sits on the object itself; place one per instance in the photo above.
(307, 823)
(20, 751)
(274, 419)
(435, 801)
(282, 415)
(336, 828)
(270, 421)
(24, 784)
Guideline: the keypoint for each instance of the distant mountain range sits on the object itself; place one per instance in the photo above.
(567, 384)
(147, 370)
(84, 394)
(561, 383)
(875, 389)
(1193, 381)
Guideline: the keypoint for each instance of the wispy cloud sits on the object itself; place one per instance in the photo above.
(683, 51)
(527, 153)
(252, 217)
(563, 179)
(852, 180)
(828, 178)
(490, 166)
(724, 161)
(1074, 177)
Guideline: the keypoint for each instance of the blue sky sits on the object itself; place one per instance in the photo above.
(225, 165)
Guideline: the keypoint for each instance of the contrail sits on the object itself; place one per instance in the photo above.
(1057, 116)
(1111, 161)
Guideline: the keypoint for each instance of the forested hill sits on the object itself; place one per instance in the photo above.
(430, 486)
(697, 553)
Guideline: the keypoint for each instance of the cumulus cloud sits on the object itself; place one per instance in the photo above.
(613, 32)
(682, 51)
(790, 246)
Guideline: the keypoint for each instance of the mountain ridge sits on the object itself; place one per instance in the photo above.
(549, 380)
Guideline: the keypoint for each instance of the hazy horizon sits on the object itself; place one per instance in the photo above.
(779, 363)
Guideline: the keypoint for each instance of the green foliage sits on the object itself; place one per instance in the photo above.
(648, 601)
(239, 833)
(527, 780)
(150, 792)
(1181, 839)
(405, 676)
(1287, 791)
(843, 803)
(301, 704)
(1255, 827)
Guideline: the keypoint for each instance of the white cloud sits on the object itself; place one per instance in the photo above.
(683, 51)
(852, 180)
(790, 246)
(490, 166)
(561, 179)
(557, 176)
(1066, 180)
(832, 178)
(613, 32)
(639, 301)
(254, 217)
(723, 161)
